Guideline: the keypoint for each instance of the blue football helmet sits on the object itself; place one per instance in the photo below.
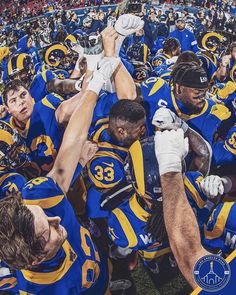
(138, 52)
(142, 169)
(12, 148)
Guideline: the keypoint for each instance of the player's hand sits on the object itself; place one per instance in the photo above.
(165, 119)
(3, 111)
(225, 60)
(109, 36)
(107, 67)
(82, 65)
(170, 148)
(212, 186)
(88, 151)
(127, 24)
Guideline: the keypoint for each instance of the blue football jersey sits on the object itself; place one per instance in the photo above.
(157, 93)
(106, 168)
(220, 231)
(77, 267)
(8, 281)
(209, 64)
(38, 87)
(126, 228)
(42, 134)
(224, 151)
(10, 182)
(159, 59)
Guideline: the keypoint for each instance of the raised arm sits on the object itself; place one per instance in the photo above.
(165, 119)
(77, 129)
(64, 87)
(181, 224)
(123, 82)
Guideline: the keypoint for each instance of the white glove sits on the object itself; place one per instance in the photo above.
(171, 60)
(127, 24)
(107, 67)
(165, 119)
(170, 148)
(213, 185)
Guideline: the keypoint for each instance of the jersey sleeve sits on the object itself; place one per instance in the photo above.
(52, 101)
(220, 231)
(192, 185)
(230, 141)
(48, 75)
(105, 172)
(196, 198)
(115, 230)
(44, 192)
(8, 281)
(104, 104)
(10, 183)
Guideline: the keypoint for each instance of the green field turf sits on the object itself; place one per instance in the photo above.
(173, 286)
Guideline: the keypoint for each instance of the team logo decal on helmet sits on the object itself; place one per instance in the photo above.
(21, 66)
(12, 148)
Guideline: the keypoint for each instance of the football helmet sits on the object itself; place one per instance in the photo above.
(70, 42)
(142, 169)
(212, 42)
(12, 148)
(57, 56)
(20, 66)
(138, 52)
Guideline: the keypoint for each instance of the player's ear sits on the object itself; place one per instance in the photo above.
(178, 89)
(121, 131)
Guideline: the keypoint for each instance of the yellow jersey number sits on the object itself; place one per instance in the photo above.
(89, 264)
(106, 173)
(232, 140)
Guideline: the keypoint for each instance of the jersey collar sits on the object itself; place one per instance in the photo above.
(184, 116)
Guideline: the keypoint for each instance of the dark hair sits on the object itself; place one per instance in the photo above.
(127, 110)
(12, 85)
(19, 246)
(188, 56)
(170, 44)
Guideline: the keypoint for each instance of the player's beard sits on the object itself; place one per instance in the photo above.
(193, 109)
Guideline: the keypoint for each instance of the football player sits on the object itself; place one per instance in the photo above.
(21, 67)
(171, 48)
(186, 98)
(40, 124)
(51, 251)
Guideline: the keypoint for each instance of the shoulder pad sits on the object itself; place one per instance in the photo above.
(42, 191)
(105, 171)
(230, 141)
(152, 85)
(192, 185)
(228, 89)
(220, 111)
